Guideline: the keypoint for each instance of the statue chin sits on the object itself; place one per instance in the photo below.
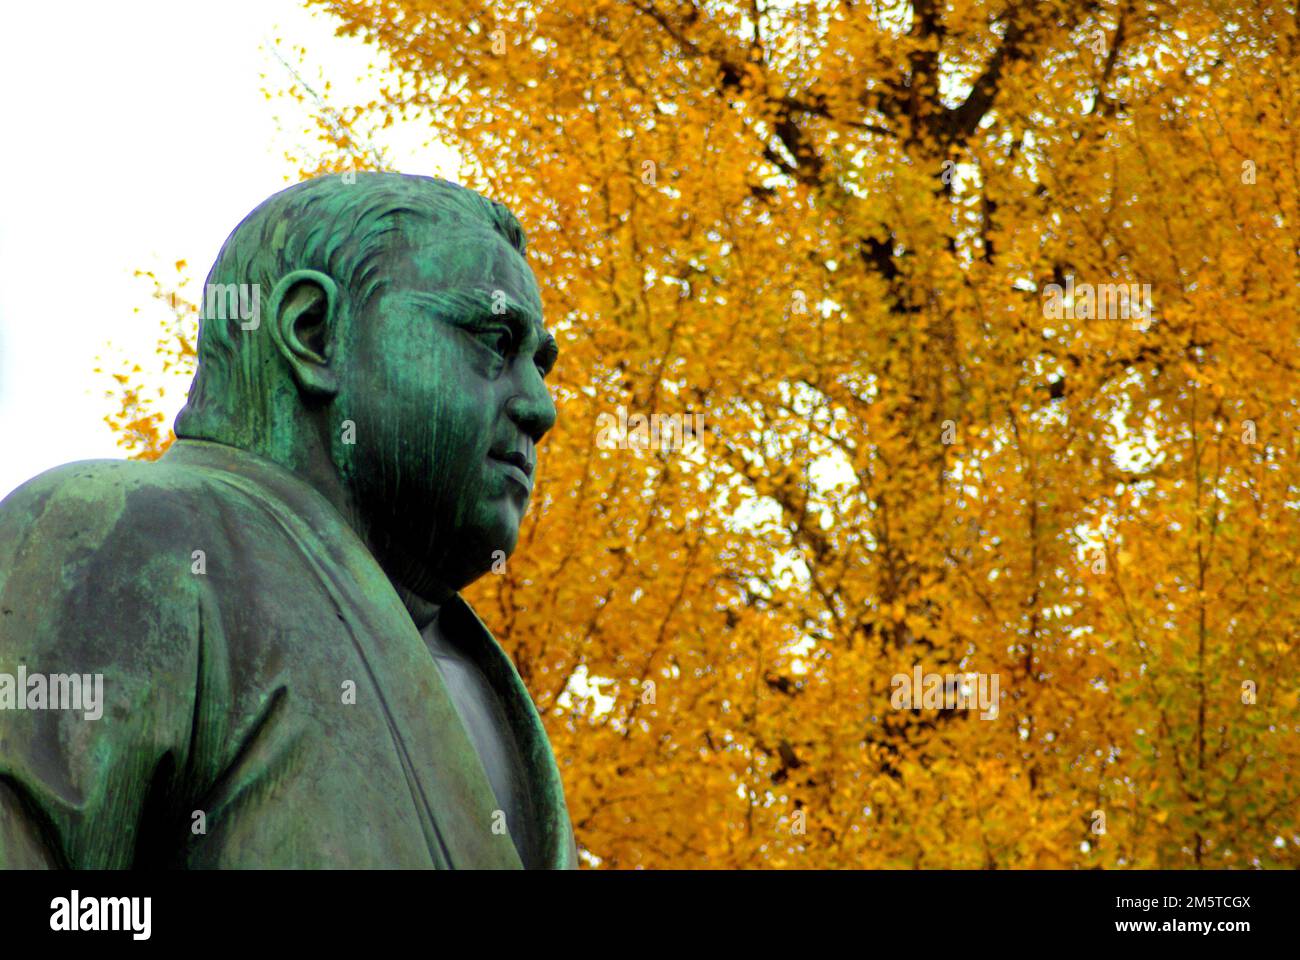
(491, 557)
(454, 561)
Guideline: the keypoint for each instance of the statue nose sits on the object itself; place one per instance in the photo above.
(534, 412)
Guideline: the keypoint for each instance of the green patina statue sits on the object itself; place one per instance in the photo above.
(287, 674)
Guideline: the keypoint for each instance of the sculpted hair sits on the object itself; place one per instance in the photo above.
(342, 229)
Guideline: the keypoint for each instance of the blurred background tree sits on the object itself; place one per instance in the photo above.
(830, 228)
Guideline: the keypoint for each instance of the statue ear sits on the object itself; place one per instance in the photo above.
(304, 320)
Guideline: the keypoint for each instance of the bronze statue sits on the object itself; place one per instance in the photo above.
(290, 677)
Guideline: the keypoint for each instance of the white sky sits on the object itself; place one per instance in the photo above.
(136, 134)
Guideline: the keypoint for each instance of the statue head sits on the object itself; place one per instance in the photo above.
(382, 337)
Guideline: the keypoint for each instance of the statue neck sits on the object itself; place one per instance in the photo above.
(302, 449)
(423, 612)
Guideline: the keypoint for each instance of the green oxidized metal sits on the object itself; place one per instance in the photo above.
(290, 677)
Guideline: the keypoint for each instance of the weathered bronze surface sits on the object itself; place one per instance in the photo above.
(290, 677)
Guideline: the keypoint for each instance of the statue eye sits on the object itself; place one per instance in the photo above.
(499, 337)
(545, 359)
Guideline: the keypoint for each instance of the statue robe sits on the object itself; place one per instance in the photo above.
(268, 700)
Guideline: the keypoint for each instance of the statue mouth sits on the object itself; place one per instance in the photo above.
(517, 467)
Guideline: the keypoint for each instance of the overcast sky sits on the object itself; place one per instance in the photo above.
(136, 134)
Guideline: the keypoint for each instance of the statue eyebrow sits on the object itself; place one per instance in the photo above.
(461, 308)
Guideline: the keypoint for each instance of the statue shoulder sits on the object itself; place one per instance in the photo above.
(97, 583)
(89, 498)
(105, 540)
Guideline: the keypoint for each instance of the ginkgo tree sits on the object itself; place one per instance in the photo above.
(886, 250)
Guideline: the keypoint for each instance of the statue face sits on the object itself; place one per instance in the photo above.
(443, 381)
